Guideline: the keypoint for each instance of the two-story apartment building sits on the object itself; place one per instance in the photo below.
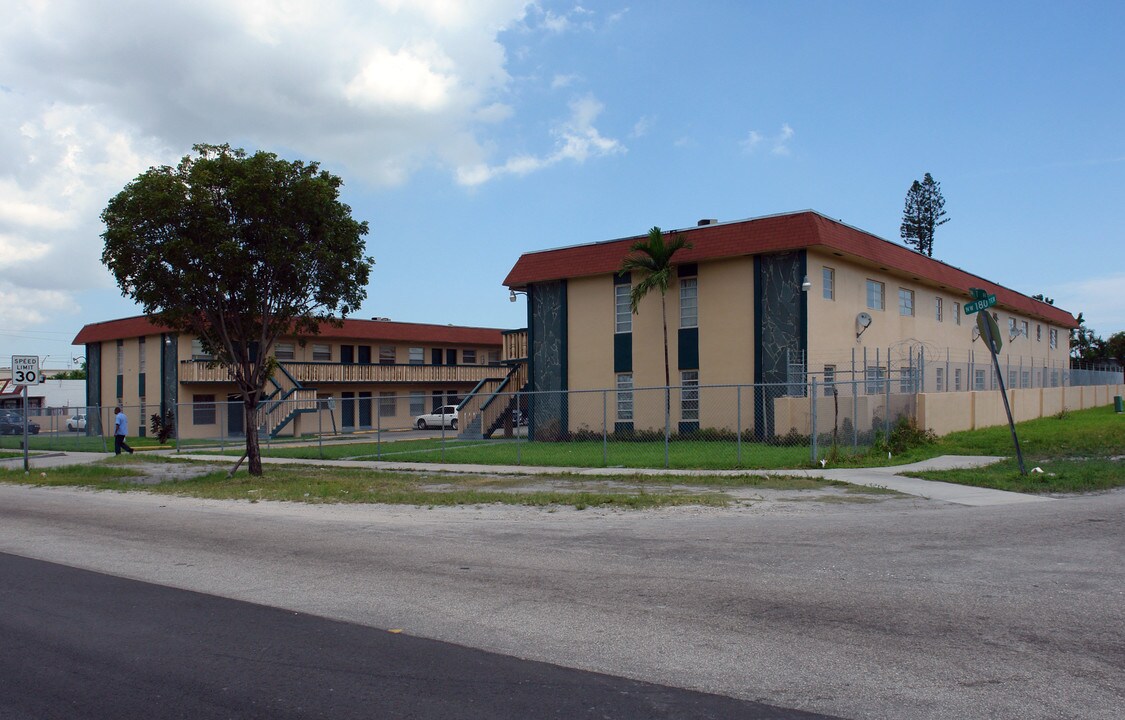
(755, 298)
(366, 373)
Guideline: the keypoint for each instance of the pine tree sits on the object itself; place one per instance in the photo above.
(923, 214)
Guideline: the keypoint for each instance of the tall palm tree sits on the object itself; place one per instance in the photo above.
(652, 258)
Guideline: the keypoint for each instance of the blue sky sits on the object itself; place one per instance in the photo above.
(469, 132)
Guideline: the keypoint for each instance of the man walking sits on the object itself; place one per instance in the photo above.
(120, 430)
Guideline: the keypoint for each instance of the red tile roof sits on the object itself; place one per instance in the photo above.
(369, 330)
(777, 233)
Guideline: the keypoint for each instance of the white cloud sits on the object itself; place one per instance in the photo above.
(562, 81)
(641, 127)
(95, 93)
(778, 144)
(410, 78)
(576, 139)
(752, 141)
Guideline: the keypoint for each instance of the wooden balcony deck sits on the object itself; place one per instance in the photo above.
(312, 374)
(515, 346)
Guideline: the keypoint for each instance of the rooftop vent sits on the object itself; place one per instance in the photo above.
(706, 221)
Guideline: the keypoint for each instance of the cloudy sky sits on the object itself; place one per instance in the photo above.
(469, 132)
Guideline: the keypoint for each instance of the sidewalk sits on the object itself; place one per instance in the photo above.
(883, 477)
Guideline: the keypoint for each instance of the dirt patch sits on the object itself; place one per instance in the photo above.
(156, 473)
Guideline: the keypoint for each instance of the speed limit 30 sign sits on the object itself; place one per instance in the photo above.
(25, 370)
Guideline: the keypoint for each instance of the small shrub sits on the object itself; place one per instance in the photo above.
(163, 427)
(905, 435)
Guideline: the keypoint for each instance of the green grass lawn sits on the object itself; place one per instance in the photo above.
(310, 484)
(682, 454)
(1081, 451)
(1087, 433)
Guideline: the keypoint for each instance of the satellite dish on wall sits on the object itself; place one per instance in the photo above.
(862, 322)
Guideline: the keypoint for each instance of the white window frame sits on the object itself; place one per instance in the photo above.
(689, 395)
(979, 383)
(939, 309)
(905, 302)
(829, 379)
(956, 313)
(624, 399)
(321, 353)
(388, 404)
(873, 382)
(828, 283)
(689, 302)
(417, 402)
(469, 356)
(1053, 334)
(876, 295)
(417, 357)
(285, 351)
(197, 352)
(203, 411)
(623, 311)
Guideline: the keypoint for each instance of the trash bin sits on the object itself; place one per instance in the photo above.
(1117, 404)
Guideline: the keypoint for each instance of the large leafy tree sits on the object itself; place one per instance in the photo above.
(237, 250)
(923, 214)
(651, 258)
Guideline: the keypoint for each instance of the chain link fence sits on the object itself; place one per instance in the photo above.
(816, 414)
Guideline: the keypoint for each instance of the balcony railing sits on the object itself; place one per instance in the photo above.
(515, 345)
(305, 373)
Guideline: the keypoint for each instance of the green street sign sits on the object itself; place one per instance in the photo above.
(978, 305)
(981, 300)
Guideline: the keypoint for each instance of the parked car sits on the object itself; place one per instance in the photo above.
(444, 416)
(11, 423)
(76, 422)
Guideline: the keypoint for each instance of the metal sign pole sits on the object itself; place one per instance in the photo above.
(26, 463)
(1003, 393)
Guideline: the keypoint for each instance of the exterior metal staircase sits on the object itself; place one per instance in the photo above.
(288, 400)
(485, 409)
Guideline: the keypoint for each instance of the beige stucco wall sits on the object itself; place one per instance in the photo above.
(945, 412)
(1027, 404)
(832, 324)
(590, 325)
(137, 407)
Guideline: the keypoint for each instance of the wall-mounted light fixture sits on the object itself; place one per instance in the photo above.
(806, 285)
(512, 294)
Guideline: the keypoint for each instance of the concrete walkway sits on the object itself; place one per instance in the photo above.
(883, 477)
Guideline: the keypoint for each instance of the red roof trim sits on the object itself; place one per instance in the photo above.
(370, 330)
(777, 233)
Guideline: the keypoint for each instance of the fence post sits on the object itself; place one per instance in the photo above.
(605, 428)
(667, 420)
(738, 413)
(812, 418)
(855, 414)
(320, 427)
(519, 407)
(379, 427)
(887, 401)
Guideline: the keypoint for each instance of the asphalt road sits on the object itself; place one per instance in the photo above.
(902, 609)
(79, 644)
